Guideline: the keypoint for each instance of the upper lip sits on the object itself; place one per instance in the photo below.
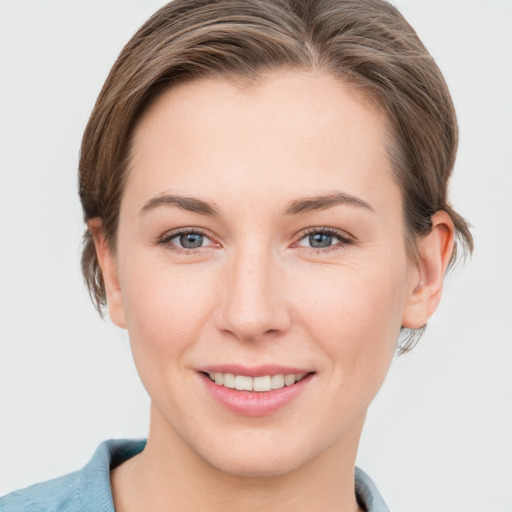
(254, 371)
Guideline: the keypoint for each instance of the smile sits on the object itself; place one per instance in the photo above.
(256, 391)
(259, 384)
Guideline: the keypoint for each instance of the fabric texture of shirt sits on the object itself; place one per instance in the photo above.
(88, 490)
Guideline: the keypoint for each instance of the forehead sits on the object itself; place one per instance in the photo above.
(290, 129)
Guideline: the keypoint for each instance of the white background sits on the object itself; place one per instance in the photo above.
(439, 435)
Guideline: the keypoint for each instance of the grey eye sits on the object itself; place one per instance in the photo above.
(320, 240)
(191, 240)
(324, 239)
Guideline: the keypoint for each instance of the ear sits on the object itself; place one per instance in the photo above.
(109, 272)
(435, 250)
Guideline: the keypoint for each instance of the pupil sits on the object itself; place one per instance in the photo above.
(320, 240)
(191, 240)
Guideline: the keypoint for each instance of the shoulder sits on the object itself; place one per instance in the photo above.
(81, 491)
(58, 494)
(367, 493)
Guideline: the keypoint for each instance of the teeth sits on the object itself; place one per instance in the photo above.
(229, 380)
(289, 379)
(277, 381)
(261, 384)
(243, 383)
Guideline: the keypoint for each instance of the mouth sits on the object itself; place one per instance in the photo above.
(257, 391)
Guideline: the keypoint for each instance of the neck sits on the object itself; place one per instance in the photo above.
(168, 475)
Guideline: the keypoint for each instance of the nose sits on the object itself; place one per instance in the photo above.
(253, 298)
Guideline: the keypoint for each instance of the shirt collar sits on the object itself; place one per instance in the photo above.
(94, 482)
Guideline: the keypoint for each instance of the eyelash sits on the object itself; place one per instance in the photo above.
(167, 237)
(343, 237)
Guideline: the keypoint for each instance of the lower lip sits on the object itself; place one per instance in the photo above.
(254, 403)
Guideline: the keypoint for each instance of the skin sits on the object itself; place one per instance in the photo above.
(256, 292)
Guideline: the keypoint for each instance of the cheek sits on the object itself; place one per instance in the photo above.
(356, 299)
(354, 312)
(166, 308)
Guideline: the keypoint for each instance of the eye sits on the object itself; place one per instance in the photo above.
(185, 241)
(320, 240)
(189, 240)
(324, 238)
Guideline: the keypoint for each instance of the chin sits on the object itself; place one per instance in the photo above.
(266, 454)
(256, 465)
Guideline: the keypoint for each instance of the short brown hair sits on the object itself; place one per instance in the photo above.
(366, 43)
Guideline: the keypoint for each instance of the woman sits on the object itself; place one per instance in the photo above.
(265, 191)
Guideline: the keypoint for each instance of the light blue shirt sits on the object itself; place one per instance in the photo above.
(88, 490)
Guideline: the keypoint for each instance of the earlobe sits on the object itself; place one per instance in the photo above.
(435, 250)
(109, 272)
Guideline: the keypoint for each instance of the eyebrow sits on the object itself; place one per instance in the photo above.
(190, 204)
(295, 207)
(310, 204)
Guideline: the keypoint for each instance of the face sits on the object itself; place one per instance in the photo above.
(260, 236)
